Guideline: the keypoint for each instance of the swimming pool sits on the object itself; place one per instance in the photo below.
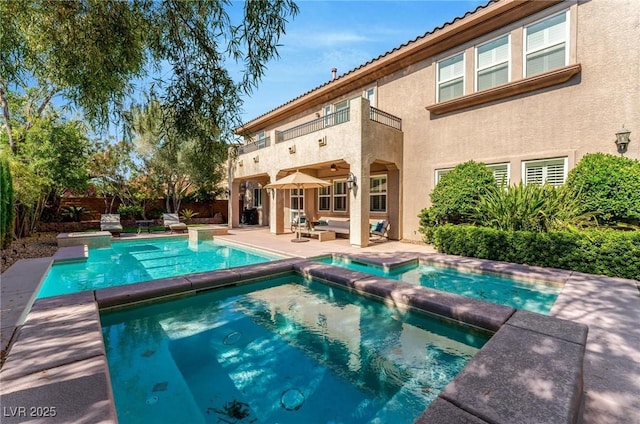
(490, 288)
(126, 262)
(286, 350)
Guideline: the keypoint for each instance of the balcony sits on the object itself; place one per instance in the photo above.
(255, 145)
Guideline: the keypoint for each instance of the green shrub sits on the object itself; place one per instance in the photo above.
(609, 185)
(74, 213)
(6, 204)
(530, 207)
(130, 211)
(454, 198)
(188, 214)
(605, 252)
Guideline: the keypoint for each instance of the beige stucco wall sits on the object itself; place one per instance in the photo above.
(566, 120)
(569, 120)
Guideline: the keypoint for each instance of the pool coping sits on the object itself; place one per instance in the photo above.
(509, 380)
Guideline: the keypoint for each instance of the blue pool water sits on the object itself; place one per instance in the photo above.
(490, 288)
(127, 262)
(285, 350)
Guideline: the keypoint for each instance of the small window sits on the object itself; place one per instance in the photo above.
(324, 198)
(451, 77)
(262, 140)
(340, 196)
(370, 95)
(342, 112)
(257, 197)
(378, 194)
(547, 44)
(550, 171)
(500, 173)
(492, 63)
(441, 173)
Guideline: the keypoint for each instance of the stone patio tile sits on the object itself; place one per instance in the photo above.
(64, 300)
(521, 376)
(267, 269)
(333, 273)
(78, 392)
(520, 272)
(561, 329)
(442, 412)
(386, 260)
(53, 337)
(377, 286)
(137, 292)
(71, 254)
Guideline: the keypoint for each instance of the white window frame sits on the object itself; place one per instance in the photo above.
(493, 167)
(370, 94)
(494, 63)
(567, 41)
(544, 164)
(440, 173)
(439, 82)
(380, 193)
(335, 195)
(262, 138)
(326, 195)
(295, 194)
(257, 198)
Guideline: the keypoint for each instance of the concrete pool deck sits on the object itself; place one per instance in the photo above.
(610, 307)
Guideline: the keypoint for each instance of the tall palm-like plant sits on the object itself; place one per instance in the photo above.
(531, 207)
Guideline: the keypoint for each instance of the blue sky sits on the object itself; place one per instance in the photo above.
(344, 35)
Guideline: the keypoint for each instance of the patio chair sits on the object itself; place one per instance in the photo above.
(380, 230)
(299, 221)
(111, 222)
(172, 223)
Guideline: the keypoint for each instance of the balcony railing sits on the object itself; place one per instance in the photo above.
(385, 118)
(255, 145)
(326, 121)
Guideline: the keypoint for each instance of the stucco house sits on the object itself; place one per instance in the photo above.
(527, 87)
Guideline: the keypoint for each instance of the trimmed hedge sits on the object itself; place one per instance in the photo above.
(604, 252)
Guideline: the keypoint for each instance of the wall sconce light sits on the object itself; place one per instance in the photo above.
(322, 141)
(351, 181)
(334, 168)
(240, 163)
(292, 149)
(256, 159)
(622, 140)
(270, 191)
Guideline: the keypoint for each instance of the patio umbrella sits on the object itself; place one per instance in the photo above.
(300, 181)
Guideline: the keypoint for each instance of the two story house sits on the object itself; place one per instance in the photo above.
(527, 87)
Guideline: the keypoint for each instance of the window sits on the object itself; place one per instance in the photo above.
(262, 140)
(492, 63)
(324, 199)
(500, 173)
(297, 202)
(342, 112)
(257, 197)
(441, 173)
(378, 194)
(451, 77)
(551, 171)
(546, 44)
(340, 196)
(370, 95)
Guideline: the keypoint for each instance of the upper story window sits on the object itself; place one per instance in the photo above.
(378, 194)
(451, 77)
(492, 63)
(262, 140)
(546, 44)
(370, 95)
(550, 171)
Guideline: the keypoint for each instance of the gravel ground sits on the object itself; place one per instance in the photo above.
(39, 245)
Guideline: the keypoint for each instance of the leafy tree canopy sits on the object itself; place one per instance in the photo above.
(91, 51)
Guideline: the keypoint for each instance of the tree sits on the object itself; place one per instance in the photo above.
(89, 52)
(6, 203)
(170, 161)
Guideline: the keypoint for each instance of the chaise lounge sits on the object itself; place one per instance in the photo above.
(172, 223)
(111, 222)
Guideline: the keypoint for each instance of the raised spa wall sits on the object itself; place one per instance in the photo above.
(530, 371)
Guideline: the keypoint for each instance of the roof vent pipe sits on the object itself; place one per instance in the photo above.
(333, 73)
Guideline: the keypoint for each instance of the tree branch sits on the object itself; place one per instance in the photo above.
(7, 119)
